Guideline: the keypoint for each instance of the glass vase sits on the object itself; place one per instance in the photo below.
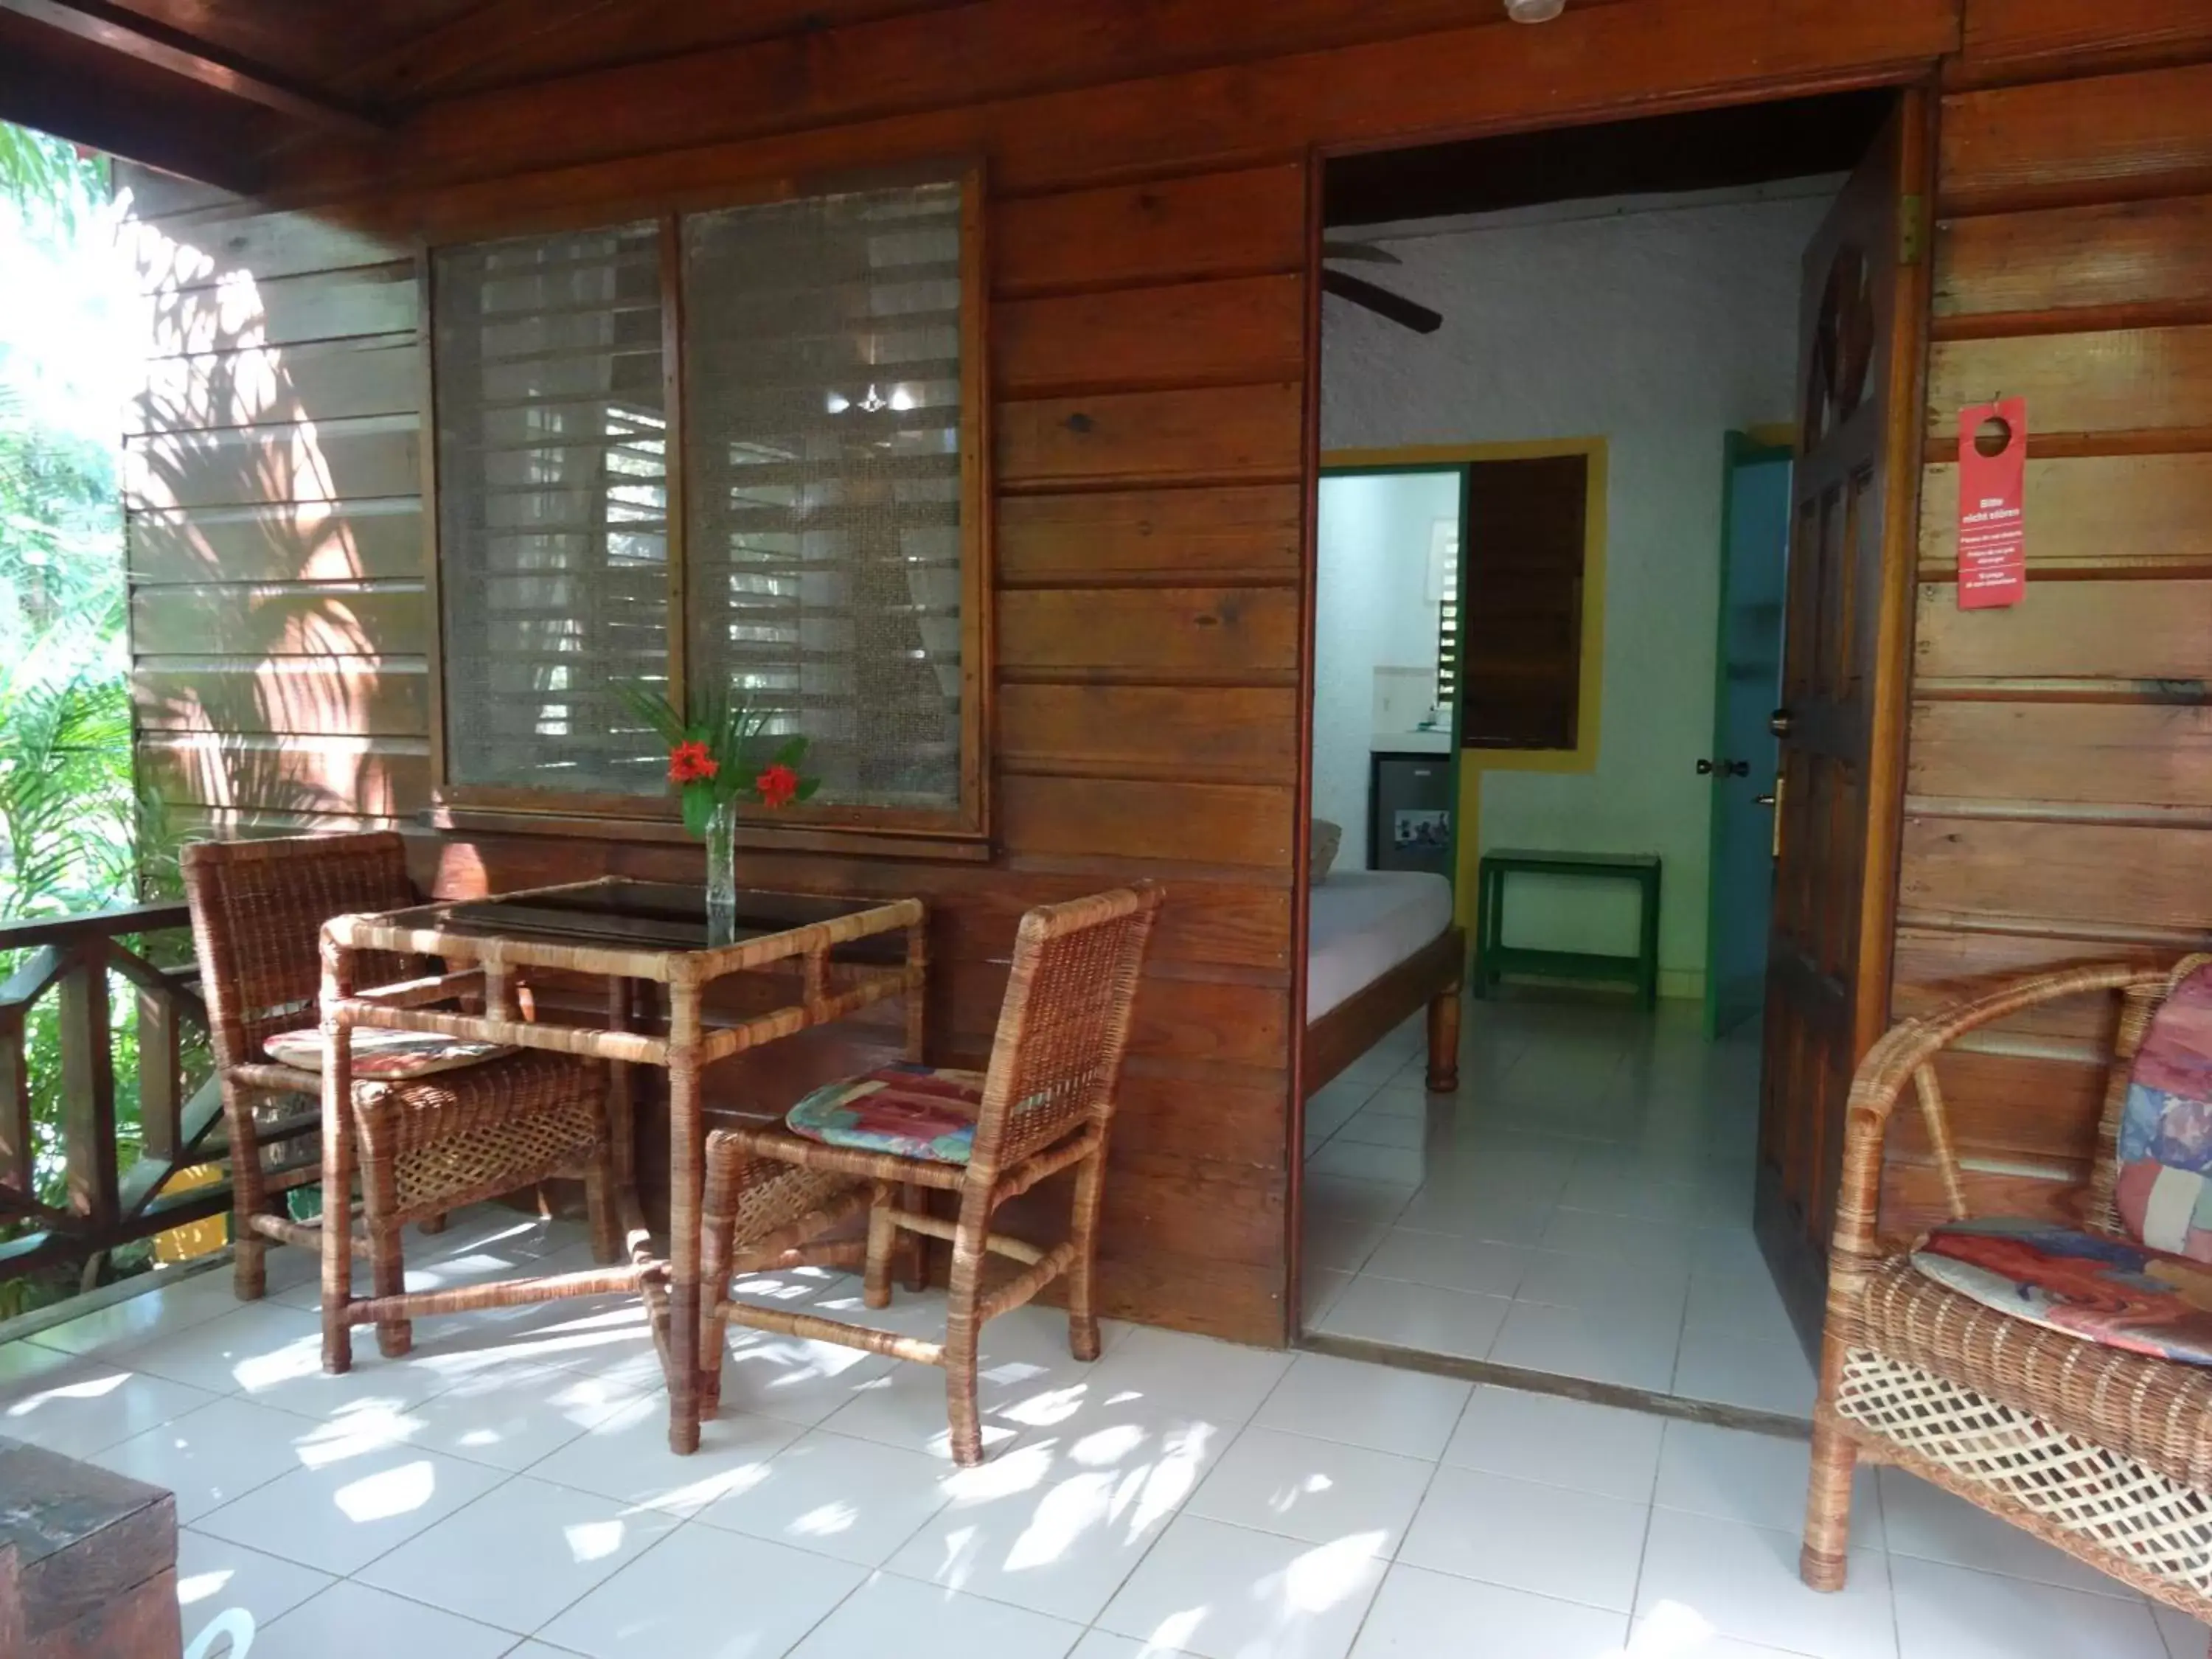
(722, 873)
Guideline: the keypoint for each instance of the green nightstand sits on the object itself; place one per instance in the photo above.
(1494, 958)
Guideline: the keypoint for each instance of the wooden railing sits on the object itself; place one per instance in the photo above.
(103, 1204)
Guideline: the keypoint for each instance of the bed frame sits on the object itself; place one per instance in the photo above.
(1430, 975)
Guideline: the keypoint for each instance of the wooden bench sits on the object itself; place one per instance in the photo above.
(87, 1561)
(1494, 958)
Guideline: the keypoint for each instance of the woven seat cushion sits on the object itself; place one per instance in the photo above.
(913, 1111)
(2164, 1190)
(382, 1054)
(487, 1097)
(2152, 1410)
(2112, 1291)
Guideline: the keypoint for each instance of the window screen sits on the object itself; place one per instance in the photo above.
(552, 506)
(823, 479)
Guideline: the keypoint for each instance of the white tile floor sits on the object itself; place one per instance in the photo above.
(1581, 1206)
(507, 1490)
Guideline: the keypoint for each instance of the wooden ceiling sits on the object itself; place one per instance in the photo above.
(214, 88)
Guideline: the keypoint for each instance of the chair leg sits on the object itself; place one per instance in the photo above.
(882, 1244)
(963, 1331)
(599, 1207)
(914, 1247)
(1082, 1272)
(336, 1239)
(1828, 1509)
(379, 1197)
(249, 1271)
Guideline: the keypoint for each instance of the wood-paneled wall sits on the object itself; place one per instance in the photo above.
(2060, 768)
(1149, 172)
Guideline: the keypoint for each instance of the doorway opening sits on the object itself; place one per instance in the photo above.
(1581, 361)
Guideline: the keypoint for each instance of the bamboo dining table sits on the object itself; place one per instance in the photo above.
(624, 933)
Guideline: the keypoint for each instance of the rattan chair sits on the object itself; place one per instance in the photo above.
(1044, 1105)
(2104, 1453)
(422, 1145)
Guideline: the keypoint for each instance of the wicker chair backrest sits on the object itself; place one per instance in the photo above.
(258, 911)
(1064, 1026)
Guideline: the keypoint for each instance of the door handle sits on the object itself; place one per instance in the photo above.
(1762, 800)
(1727, 768)
(1780, 721)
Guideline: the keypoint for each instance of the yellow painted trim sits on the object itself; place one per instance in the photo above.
(1473, 763)
(1773, 434)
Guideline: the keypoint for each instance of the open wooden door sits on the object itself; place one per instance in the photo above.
(1846, 625)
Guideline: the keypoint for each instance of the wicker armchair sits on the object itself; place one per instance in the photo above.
(1046, 1104)
(422, 1145)
(2104, 1453)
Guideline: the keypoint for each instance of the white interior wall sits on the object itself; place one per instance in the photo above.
(1657, 323)
(1371, 610)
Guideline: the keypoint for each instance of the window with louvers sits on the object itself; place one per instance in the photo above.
(552, 506)
(822, 483)
(811, 519)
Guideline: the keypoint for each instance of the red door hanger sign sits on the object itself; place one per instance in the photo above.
(1992, 527)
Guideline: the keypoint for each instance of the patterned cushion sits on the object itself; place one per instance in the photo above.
(382, 1054)
(2165, 1186)
(915, 1111)
(2105, 1290)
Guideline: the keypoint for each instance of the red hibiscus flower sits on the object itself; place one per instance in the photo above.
(689, 762)
(777, 785)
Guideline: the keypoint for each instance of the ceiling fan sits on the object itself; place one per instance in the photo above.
(1392, 308)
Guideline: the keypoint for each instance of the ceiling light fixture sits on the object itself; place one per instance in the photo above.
(1533, 11)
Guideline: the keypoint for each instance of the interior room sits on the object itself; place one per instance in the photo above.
(1551, 546)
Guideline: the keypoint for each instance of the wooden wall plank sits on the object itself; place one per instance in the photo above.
(1610, 59)
(326, 696)
(2154, 255)
(2098, 385)
(2109, 139)
(285, 310)
(2094, 515)
(2018, 38)
(2031, 1106)
(1179, 1020)
(322, 620)
(2118, 754)
(2135, 631)
(1241, 533)
(378, 374)
(1236, 331)
(334, 541)
(1207, 823)
(320, 461)
(1232, 733)
(2110, 878)
(1205, 634)
(1229, 433)
(1215, 224)
(1936, 967)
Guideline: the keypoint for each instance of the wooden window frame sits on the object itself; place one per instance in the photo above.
(959, 831)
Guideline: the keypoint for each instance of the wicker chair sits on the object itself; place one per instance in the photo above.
(2106, 1454)
(424, 1144)
(1046, 1103)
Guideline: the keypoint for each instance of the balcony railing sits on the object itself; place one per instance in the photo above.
(100, 1204)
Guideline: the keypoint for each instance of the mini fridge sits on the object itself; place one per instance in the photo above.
(1410, 809)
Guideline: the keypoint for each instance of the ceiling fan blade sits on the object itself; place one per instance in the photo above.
(1362, 251)
(1394, 307)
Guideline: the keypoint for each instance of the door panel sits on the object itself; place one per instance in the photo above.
(1844, 666)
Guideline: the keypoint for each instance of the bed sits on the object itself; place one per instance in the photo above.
(1380, 945)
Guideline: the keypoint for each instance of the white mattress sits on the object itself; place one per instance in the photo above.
(1363, 923)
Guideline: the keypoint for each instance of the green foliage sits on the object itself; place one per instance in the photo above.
(67, 808)
(730, 730)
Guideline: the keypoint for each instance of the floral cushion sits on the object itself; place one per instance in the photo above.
(2164, 1190)
(915, 1111)
(2104, 1290)
(380, 1054)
